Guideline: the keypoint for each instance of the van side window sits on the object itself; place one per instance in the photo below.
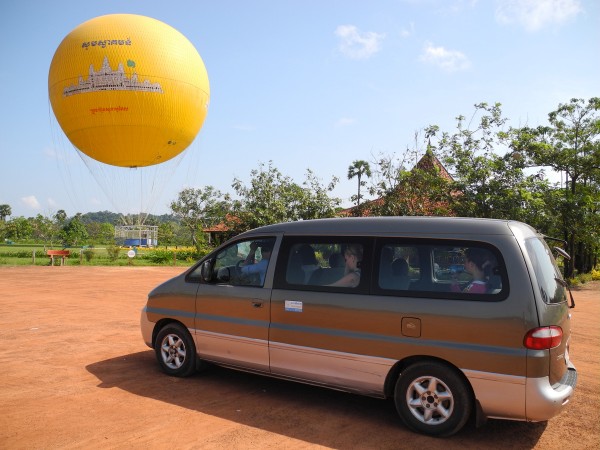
(324, 263)
(465, 270)
(243, 263)
(469, 269)
(395, 267)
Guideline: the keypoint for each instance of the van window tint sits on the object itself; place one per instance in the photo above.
(466, 270)
(334, 264)
(243, 263)
(398, 265)
(546, 271)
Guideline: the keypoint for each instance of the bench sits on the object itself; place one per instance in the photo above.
(62, 254)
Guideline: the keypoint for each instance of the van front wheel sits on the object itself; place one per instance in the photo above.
(433, 399)
(175, 350)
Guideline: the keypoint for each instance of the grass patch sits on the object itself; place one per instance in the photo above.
(26, 255)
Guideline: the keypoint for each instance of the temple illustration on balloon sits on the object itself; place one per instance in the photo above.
(107, 79)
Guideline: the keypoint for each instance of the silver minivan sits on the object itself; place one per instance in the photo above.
(449, 317)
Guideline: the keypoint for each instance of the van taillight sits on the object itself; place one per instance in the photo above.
(543, 338)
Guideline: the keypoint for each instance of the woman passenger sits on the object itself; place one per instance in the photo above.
(476, 260)
(353, 257)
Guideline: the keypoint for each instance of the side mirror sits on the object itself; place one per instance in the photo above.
(562, 253)
(206, 271)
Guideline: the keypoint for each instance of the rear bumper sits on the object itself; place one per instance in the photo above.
(521, 398)
(545, 401)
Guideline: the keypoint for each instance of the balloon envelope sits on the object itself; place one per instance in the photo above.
(128, 90)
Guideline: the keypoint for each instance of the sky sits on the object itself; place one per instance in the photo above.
(305, 84)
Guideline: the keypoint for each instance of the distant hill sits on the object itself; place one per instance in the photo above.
(117, 219)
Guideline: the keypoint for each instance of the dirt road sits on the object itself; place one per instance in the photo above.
(74, 373)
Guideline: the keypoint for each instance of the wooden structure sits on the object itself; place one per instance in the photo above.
(62, 254)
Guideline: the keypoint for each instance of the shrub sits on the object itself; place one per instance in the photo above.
(89, 254)
(158, 256)
(24, 254)
(113, 252)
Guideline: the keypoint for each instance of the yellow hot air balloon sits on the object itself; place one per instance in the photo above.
(128, 90)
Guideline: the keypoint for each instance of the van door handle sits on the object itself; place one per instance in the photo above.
(257, 304)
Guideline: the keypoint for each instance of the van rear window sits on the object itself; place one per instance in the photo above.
(547, 274)
(463, 270)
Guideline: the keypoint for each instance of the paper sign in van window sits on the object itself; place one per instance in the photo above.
(293, 306)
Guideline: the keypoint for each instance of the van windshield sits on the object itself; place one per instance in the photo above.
(546, 272)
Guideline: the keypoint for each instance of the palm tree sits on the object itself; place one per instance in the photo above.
(358, 169)
(5, 211)
(60, 217)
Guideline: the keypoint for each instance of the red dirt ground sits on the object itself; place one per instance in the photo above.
(74, 373)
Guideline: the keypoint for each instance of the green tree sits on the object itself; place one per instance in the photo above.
(570, 144)
(198, 209)
(101, 233)
(44, 229)
(421, 191)
(74, 232)
(107, 233)
(5, 211)
(60, 217)
(93, 230)
(273, 197)
(166, 233)
(317, 203)
(490, 184)
(181, 235)
(18, 228)
(358, 169)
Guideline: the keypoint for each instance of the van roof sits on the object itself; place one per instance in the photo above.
(397, 224)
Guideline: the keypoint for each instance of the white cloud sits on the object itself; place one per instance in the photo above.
(535, 14)
(449, 60)
(31, 202)
(356, 44)
(345, 121)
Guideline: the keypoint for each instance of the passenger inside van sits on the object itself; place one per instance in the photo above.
(252, 266)
(476, 262)
(400, 277)
(336, 260)
(353, 256)
(324, 276)
(303, 263)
